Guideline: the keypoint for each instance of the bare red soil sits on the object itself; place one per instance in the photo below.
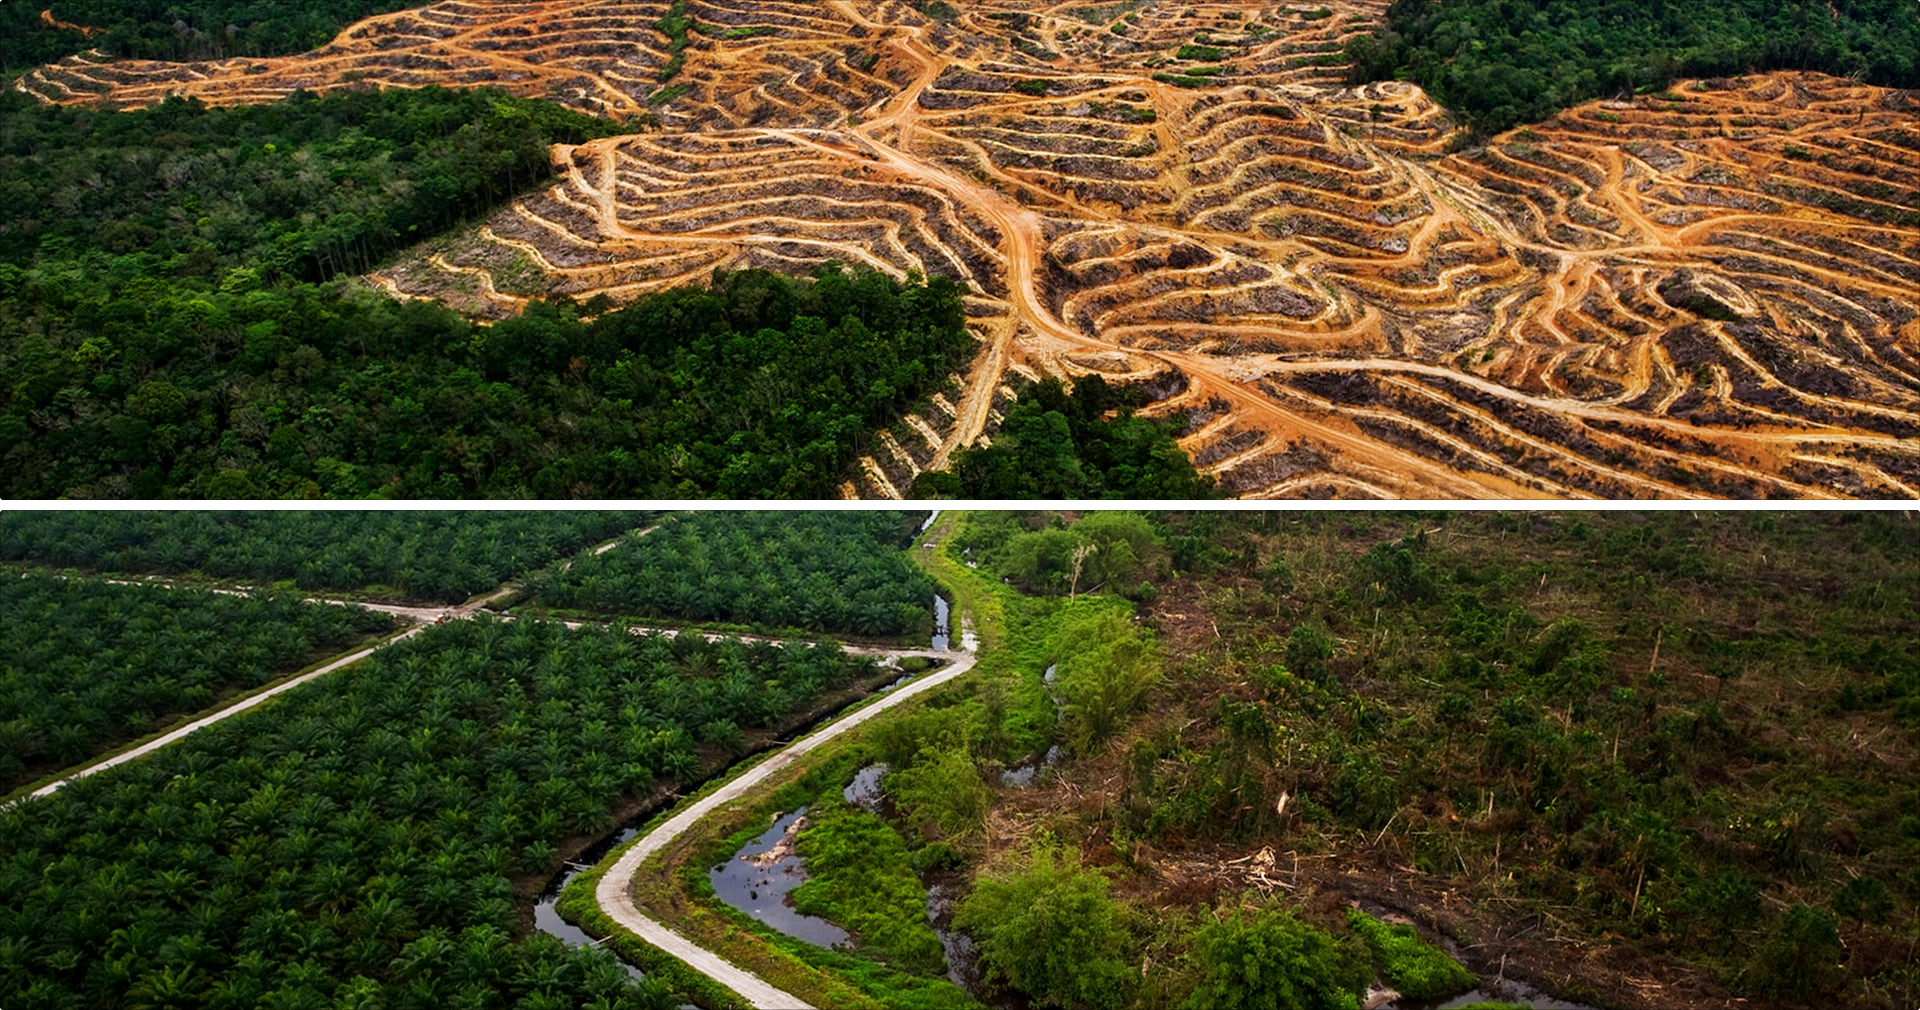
(1709, 292)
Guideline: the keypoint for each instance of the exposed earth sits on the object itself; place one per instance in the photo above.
(1712, 291)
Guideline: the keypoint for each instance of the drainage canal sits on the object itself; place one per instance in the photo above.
(546, 914)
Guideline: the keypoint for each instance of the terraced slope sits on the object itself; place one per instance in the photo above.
(1708, 292)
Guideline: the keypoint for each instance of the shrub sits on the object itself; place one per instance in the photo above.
(1418, 969)
(1269, 958)
(1052, 931)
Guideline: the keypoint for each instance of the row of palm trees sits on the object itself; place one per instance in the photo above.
(355, 843)
(430, 556)
(840, 572)
(86, 665)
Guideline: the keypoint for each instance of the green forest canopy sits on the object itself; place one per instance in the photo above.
(356, 843)
(1061, 446)
(85, 666)
(176, 29)
(241, 197)
(438, 556)
(1501, 63)
(172, 323)
(829, 571)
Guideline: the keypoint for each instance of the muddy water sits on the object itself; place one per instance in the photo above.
(962, 967)
(905, 679)
(759, 878)
(942, 623)
(1023, 775)
(865, 790)
(1503, 991)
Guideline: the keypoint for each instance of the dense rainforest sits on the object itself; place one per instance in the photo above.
(357, 842)
(842, 572)
(174, 29)
(438, 557)
(87, 665)
(1084, 444)
(174, 322)
(1503, 63)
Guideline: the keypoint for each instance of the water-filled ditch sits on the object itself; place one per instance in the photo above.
(764, 871)
(942, 623)
(1493, 991)
(546, 914)
(1023, 775)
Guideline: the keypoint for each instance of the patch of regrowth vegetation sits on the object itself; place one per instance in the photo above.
(1052, 930)
(1266, 956)
(1417, 969)
(678, 26)
(860, 877)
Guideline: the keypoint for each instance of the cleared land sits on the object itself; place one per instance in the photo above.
(1705, 292)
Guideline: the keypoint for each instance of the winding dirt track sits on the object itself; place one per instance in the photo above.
(1710, 292)
(615, 891)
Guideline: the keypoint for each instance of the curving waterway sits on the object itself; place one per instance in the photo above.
(546, 913)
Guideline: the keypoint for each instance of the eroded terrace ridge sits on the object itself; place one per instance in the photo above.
(1710, 291)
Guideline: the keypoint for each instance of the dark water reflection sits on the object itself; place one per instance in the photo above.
(865, 790)
(942, 625)
(760, 877)
(546, 914)
(1494, 992)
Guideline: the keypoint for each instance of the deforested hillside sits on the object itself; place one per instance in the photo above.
(1702, 285)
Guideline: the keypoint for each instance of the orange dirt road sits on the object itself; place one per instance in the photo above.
(1710, 292)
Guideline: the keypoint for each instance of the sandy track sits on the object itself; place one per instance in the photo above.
(615, 891)
(224, 714)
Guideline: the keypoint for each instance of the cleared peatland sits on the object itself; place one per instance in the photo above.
(1707, 291)
(1625, 760)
